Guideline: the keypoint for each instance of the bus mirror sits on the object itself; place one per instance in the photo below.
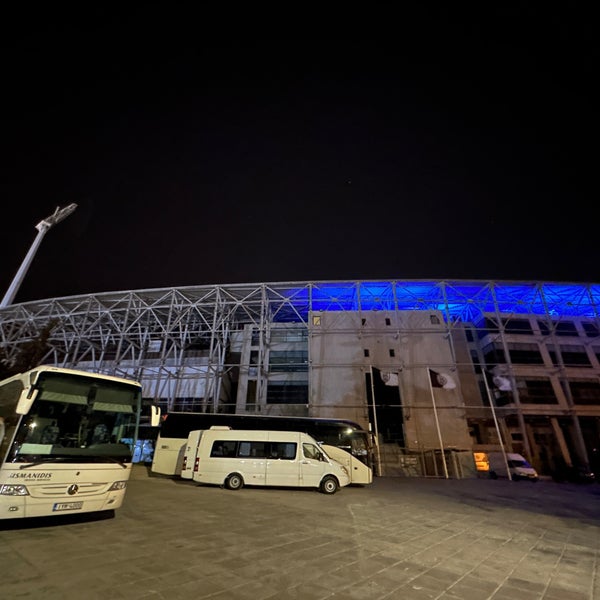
(26, 399)
(154, 416)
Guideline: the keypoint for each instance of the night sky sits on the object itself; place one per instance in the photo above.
(452, 147)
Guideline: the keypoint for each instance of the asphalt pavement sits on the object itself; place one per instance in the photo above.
(399, 538)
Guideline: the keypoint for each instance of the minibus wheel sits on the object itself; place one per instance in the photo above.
(329, 485)
(234, 481)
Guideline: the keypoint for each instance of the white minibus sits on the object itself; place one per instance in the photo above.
(234, 458)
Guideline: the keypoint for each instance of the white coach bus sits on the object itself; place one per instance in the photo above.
(234, 458)
(66, 441)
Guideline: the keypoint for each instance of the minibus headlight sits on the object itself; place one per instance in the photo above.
(117, 485)
(9, 489)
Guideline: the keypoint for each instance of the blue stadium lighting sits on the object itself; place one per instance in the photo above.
(458, 300)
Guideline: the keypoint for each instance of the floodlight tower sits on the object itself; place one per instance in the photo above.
(42, 227)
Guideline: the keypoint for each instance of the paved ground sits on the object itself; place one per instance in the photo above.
(409, 539)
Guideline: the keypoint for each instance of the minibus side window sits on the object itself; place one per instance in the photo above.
(244, 450)
(257, 450)
(222, 448)
(283, 450)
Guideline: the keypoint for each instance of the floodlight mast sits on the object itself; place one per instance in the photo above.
(42, 227)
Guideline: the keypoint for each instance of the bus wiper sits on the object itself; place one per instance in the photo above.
(37, 463)
(74, 459)
(110, 459)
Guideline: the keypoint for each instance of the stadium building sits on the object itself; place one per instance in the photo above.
(428, 366)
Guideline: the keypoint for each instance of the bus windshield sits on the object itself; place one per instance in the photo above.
(74, 418)
(66, 441)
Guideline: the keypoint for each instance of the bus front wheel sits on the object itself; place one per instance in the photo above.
(234, 481)
(329, 485)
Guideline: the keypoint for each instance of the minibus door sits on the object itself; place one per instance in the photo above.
(311, 465)
(282, 466)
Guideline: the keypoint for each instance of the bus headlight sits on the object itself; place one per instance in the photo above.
(9, 489)
(117, 485)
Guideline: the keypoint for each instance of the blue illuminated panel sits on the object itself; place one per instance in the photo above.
(457, 300)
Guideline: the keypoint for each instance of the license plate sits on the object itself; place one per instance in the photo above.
(67, 505)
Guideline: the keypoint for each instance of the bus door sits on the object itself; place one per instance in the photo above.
(311, 465)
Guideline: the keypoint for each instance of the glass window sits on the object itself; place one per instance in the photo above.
(535, 390)
(282, 450)
(311, 451)
(566, 328)
(572, 356)
(288, 360)
(591, 329)
(252, 450)
(287, 393)
(525, 354)
(585, 392)
(522, 326)
(223, 448)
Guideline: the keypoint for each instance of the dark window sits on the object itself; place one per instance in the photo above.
(392, 352)
(388, 322)
(493, 355)
(544, 329)
(363, 321)
(561, 328)
(536, 391)
(223, 448)
(288, 360)
(591, 329)
(289, 335)
(282, 450)
(366, 351)
(585, 392)
(287, 393)
(252, 450)
(566, 328)
(522, 326)
(572, 356)
(489, 327)
(525, 354)
(434, 319)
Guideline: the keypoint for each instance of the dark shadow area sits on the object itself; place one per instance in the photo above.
(54, 521)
